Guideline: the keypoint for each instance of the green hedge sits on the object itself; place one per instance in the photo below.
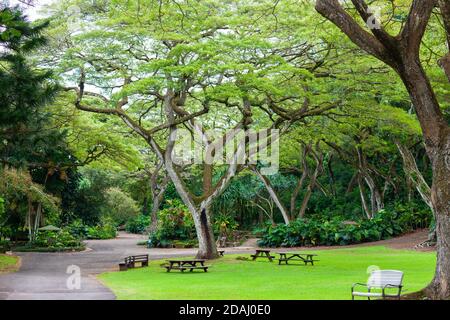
(31, 248)
(55, 239)
(138, 224)
(318, 231)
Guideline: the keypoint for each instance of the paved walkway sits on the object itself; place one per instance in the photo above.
(44, 275)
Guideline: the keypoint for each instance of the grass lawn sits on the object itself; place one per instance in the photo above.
(8, 263)
(228, 278)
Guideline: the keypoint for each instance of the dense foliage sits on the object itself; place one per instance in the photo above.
(90, 175)
(318, 230)
(174, 224)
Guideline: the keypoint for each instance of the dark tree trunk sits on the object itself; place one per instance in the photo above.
(154, 214)
(440, 195)
(402, 53)
(207, 245)
(145, 206)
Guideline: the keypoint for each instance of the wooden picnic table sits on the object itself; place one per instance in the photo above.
(262, 253)
(297, 256)
(187, 264)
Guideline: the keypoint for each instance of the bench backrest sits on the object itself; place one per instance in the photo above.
(381, 278)
(138, 258)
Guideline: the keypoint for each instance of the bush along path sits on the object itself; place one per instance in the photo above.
(337, 231)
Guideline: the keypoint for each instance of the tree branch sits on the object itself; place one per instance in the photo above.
(333, 11)
(414, 29)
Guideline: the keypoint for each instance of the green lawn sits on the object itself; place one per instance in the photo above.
(8, 263)
(228, 278)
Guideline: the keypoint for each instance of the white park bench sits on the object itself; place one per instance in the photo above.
(384, 280)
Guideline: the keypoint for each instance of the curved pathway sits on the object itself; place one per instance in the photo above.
(44, 275)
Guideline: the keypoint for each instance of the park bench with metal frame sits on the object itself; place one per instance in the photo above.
(383, 280)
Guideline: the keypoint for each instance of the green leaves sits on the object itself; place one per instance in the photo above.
(336, 231)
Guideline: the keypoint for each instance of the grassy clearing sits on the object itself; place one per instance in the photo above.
(8, 263)
(229, 278)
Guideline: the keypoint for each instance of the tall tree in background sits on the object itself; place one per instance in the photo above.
(24, 92)
(402, 53)
(24, 141)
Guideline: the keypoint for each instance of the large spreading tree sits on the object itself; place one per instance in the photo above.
(161, 66)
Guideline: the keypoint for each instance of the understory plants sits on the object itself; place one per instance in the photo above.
(316, 230)
(175, 226)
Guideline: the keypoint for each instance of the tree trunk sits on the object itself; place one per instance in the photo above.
(157, 190)
(376, 201)
(363, 198)
(296, 191)
(145, 206)
(308, 193)
(318, 158)
(207, 245)
(402, 53)
(154, 214)
(414, 175)
(440, 195)
(437, 142)
(273, 195)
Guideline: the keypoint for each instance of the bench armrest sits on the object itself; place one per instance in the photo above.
(392, 286)
(399, 287)
(359, 284)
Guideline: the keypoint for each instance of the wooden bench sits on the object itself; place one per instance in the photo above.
(131, 261)
(381, 280)
(294, 256)
(183, 265)
(262, 253)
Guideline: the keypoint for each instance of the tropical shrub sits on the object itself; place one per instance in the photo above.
(224, 224)
(4, 246)
(105, 230)
(336, 231)
(56, 239)
(138, 224)
(78, 229)
(174, 223)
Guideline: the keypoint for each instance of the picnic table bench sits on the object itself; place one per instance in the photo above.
(296, 256)
(262, 253)
(130, 262)
(183, 265)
